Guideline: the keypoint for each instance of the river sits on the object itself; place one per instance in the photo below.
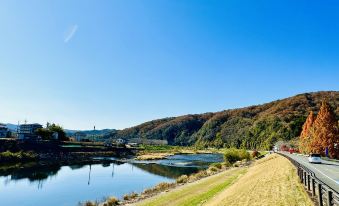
(35, 184)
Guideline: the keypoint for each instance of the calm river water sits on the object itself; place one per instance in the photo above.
(57, 185)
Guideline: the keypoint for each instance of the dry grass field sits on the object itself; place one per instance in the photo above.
(197, 192)
(271, 181)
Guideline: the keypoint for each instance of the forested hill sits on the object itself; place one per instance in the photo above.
(251, 127)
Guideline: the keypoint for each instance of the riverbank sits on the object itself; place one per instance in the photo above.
(269, 181)
(196, 192)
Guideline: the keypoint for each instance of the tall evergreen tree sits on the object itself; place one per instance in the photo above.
(325, 132)
(305, 136)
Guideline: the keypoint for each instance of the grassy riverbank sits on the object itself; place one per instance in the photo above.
(270, 181)
(196, 192)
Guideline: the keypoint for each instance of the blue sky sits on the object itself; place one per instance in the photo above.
(115, 64)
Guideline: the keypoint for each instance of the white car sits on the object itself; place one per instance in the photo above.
(314, 158)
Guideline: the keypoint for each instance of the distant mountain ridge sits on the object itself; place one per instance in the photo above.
(256, 126)
(101, 132)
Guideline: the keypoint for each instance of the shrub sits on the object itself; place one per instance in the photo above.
(17, 156)
(201, 174)
(112, 201)
(148, 191)
(182, 179)
(255, 154)
(164, 186)
(126, 197)
(213, 169)
(217, 165)
(134, 195)
(159, 188)
(232, 155)
(90, 203)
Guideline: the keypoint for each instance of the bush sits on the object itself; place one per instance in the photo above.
(130, 196)
(199, 175)
(217, 165)
(164, 186)
(112, 201)
(213, 169)
(255, 154)
(182, 179)
(90, 203)
(159, 188)
(126, 197)
(232, 155)
(17, 156)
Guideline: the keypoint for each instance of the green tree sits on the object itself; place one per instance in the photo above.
(218, 142)
(61, 133)
(44, 133)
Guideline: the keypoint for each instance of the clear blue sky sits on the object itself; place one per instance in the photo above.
(115, 64)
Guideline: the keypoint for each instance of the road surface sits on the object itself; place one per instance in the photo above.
(328, 171)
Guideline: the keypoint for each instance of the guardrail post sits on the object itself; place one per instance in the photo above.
(301, 175)
(313, 187)
(308, 183)
(329, 197)
(305, 182)
(320, 197)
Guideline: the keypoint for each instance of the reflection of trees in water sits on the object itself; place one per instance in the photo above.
(34, 172)
(31, 171)
(76, 167)
(166, 171)
(38, 173)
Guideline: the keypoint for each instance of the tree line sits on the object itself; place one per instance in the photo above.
(47, 133)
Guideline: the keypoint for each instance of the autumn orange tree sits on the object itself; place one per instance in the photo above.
(324, 132)
(305, 136)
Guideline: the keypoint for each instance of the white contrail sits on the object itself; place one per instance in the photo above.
(70, 33)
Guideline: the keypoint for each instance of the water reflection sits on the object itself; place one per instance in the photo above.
(38, 183)
(38, 173)
(165, 170)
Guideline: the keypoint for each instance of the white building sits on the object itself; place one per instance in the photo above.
(27, 131)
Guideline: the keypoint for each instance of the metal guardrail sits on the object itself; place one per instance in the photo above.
(325, 195)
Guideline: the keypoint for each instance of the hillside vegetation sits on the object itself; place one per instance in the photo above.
(254, 127)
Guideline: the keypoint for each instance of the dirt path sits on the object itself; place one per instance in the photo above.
(197, 192)
(271, 181)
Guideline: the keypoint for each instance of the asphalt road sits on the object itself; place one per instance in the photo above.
(327, 171)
